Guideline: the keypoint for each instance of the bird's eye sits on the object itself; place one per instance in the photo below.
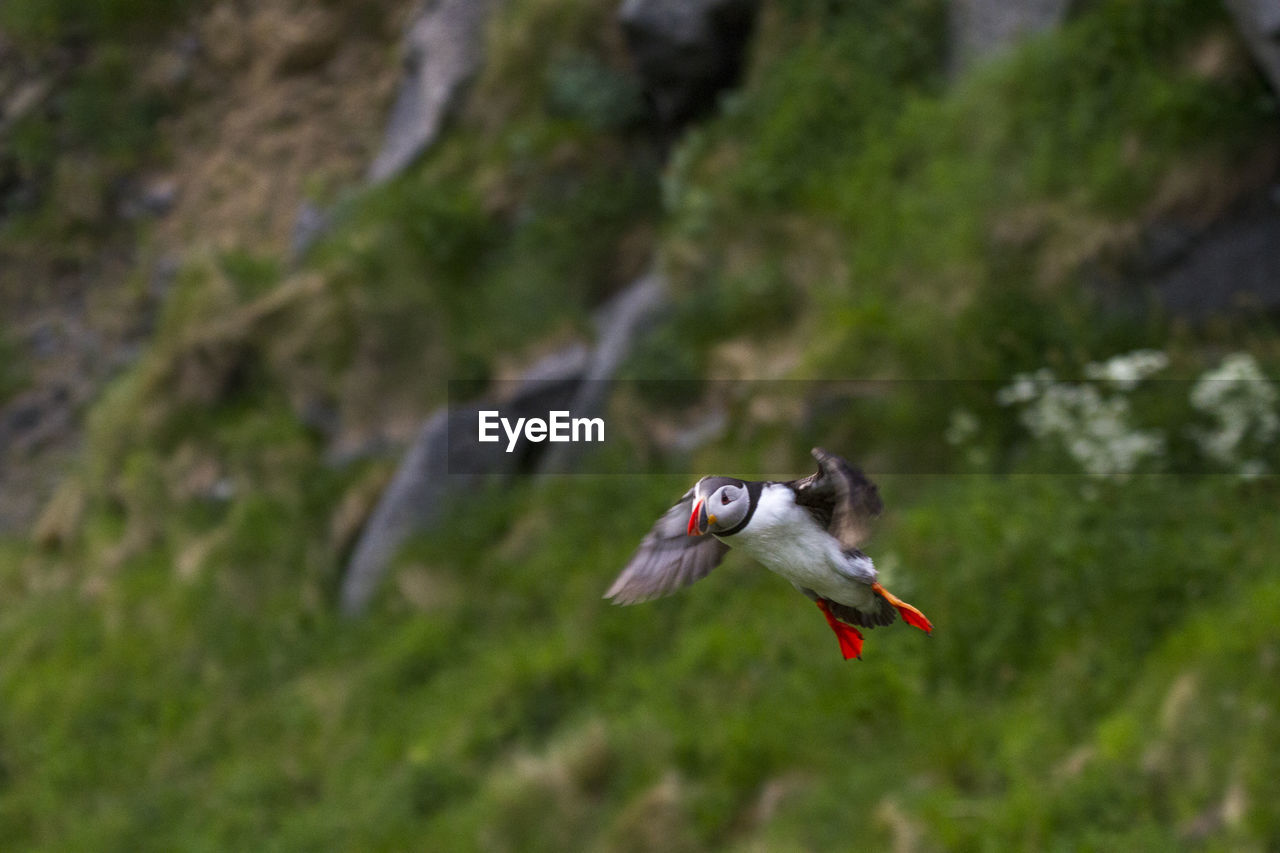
(724, 496)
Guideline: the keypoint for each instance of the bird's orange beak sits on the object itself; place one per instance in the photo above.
(697, 520)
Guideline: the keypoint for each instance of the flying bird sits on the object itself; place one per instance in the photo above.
(807, 530)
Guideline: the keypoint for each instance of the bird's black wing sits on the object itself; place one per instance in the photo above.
(668, 558)
(840, 498)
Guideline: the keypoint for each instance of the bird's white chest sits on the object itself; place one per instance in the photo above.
(785, 538)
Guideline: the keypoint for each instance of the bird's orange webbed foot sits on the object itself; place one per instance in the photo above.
(910, 614)
(850, 637)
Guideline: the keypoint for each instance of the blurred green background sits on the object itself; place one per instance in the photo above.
(198, 424)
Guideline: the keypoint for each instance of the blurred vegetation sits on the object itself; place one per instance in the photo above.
(918, 208)
(74, 150)
(1103, 674)
(12, 369)
(46, 22)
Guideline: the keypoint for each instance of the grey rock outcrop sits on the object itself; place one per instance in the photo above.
(445, 462)
(687, 51)
(309, 224)
(1231, 266)
(620, 323)
(1195, 270)
(443, 50)
(1259, 23)
(440, 466)
(983, 28)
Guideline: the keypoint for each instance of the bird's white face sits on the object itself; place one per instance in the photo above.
(724, 508)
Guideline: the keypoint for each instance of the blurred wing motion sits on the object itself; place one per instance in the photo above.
(668, 558)
(840, 498)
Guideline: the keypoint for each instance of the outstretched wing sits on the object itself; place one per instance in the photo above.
(840, 497)
(668, 558)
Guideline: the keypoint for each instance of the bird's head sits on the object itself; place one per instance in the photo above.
(720, 504)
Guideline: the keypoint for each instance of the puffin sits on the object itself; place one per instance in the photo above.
(808, 530)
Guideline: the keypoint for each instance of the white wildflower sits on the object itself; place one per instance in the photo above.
(1094, 429)
(1242, 404)
(962, 426)
(1025, 387)
(1124, 372)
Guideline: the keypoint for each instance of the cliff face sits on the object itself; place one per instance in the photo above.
(137, 146)
(229, 301)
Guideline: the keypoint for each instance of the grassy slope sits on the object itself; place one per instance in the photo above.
(173, 676)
